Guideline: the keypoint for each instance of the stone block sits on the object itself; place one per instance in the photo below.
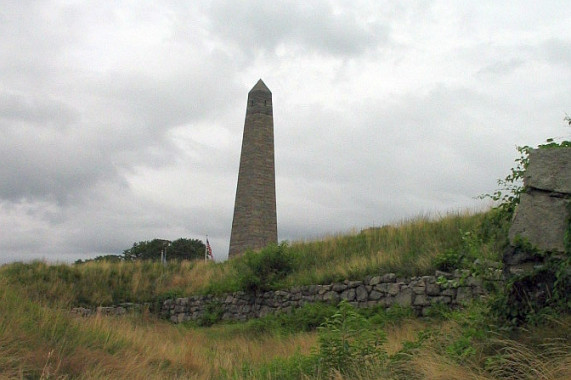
(348, 295)
(311, 290)
(282, 294)
(394, 289)
(433, 289)
(324, 289)
(420, 300)
(338, 287)
(549, 169)
(354, 284)
(245, 309)
(331, 296)
(542, 220)
(419, 289)
(375, 295)
(179, 309)
(361, 293)
(375, 280)
(389, 277)
(404, 297)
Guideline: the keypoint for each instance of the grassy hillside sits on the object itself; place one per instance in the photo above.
(40, 339)
(409, 248)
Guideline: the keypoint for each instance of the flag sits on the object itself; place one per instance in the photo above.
(209, 250)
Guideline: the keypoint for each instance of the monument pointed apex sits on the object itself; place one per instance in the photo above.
(260, 86)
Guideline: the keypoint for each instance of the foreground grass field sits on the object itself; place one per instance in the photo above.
(41, 339)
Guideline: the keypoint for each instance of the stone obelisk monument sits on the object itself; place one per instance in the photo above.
(255, 220)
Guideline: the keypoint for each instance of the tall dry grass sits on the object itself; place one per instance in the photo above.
(37, 341)
(407, 248)
(44, 342)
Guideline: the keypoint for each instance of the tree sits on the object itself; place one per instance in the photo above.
(186, 249)
(180, 249)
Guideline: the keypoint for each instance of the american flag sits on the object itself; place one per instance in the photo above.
(209, 250)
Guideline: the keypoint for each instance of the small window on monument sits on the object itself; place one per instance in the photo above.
(251, 102)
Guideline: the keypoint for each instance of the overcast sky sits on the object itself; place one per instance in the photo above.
(122, 121)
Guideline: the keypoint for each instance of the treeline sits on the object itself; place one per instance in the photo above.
(180, 249)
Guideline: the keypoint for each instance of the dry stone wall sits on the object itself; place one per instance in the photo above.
(420, 293)
(116, 310)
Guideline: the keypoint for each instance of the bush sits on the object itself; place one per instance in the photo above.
(347, 342)
(262, 271)
(460, 258)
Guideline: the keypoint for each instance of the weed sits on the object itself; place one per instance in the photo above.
(347, 340)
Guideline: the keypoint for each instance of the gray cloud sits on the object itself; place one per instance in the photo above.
(318, 27)
(122, 122)
(558, 51)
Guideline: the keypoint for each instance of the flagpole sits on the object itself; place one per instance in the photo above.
(206, 249)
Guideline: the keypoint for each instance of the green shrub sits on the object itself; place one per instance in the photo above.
(261, 271)
(462, 257)
(348, 341)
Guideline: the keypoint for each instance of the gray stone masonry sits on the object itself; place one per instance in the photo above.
(542, 215)
(541, 220)
(254, 224)
(549, 170)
